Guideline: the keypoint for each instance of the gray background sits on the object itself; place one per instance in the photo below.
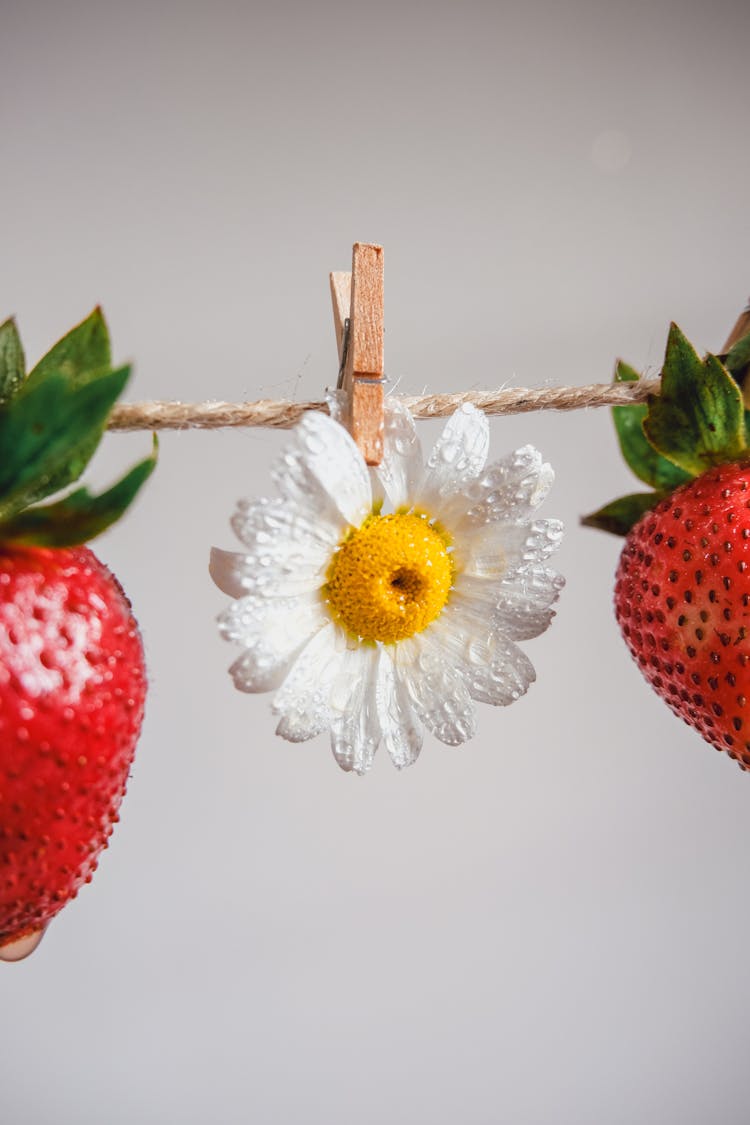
(550, 924)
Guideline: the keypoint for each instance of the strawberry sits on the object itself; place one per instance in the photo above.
(682, 590)
(72, 688)
(72, 674)
(682, 600)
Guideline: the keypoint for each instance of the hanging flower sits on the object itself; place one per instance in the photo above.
(376, 603)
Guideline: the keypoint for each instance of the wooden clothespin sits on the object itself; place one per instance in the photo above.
(358, 318)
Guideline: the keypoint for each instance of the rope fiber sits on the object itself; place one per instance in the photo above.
(283, 413)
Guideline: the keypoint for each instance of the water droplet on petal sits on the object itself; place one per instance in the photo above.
(450, 451)
(17, 950)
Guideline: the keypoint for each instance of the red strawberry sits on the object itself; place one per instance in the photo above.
(72, 676)
(682, 600)
(72, 689)
(682, 593)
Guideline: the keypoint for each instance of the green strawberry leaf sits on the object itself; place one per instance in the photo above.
(51, 422)
(48, 432)
(78, 517)
(12, 362)
(619, 516)
(81, 352)
(81, 355)
(698, 419)
(648, 465)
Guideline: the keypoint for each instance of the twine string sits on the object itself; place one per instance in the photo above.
(284, 413)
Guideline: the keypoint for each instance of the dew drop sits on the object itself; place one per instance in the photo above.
(450, 452)
(18, 950)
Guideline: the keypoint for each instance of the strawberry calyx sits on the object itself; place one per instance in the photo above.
(697, 422)
(51, 422)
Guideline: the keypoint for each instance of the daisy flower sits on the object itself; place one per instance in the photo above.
(380, 602)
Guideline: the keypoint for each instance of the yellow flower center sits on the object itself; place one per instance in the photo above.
(390, 578)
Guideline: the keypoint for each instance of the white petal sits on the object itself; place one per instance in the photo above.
(325, 473)
(493, 549)
(227, 569)
(401, 730)
(272, 631)
(437, 691)
(355, 730)
(512, 488)
(458, 457)
(526, 599)
(255, 522)
(519, 606)
(500, 675)
(268, 575)
(494, 669)
(397, 477)
(287, 555)
(304, 699)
